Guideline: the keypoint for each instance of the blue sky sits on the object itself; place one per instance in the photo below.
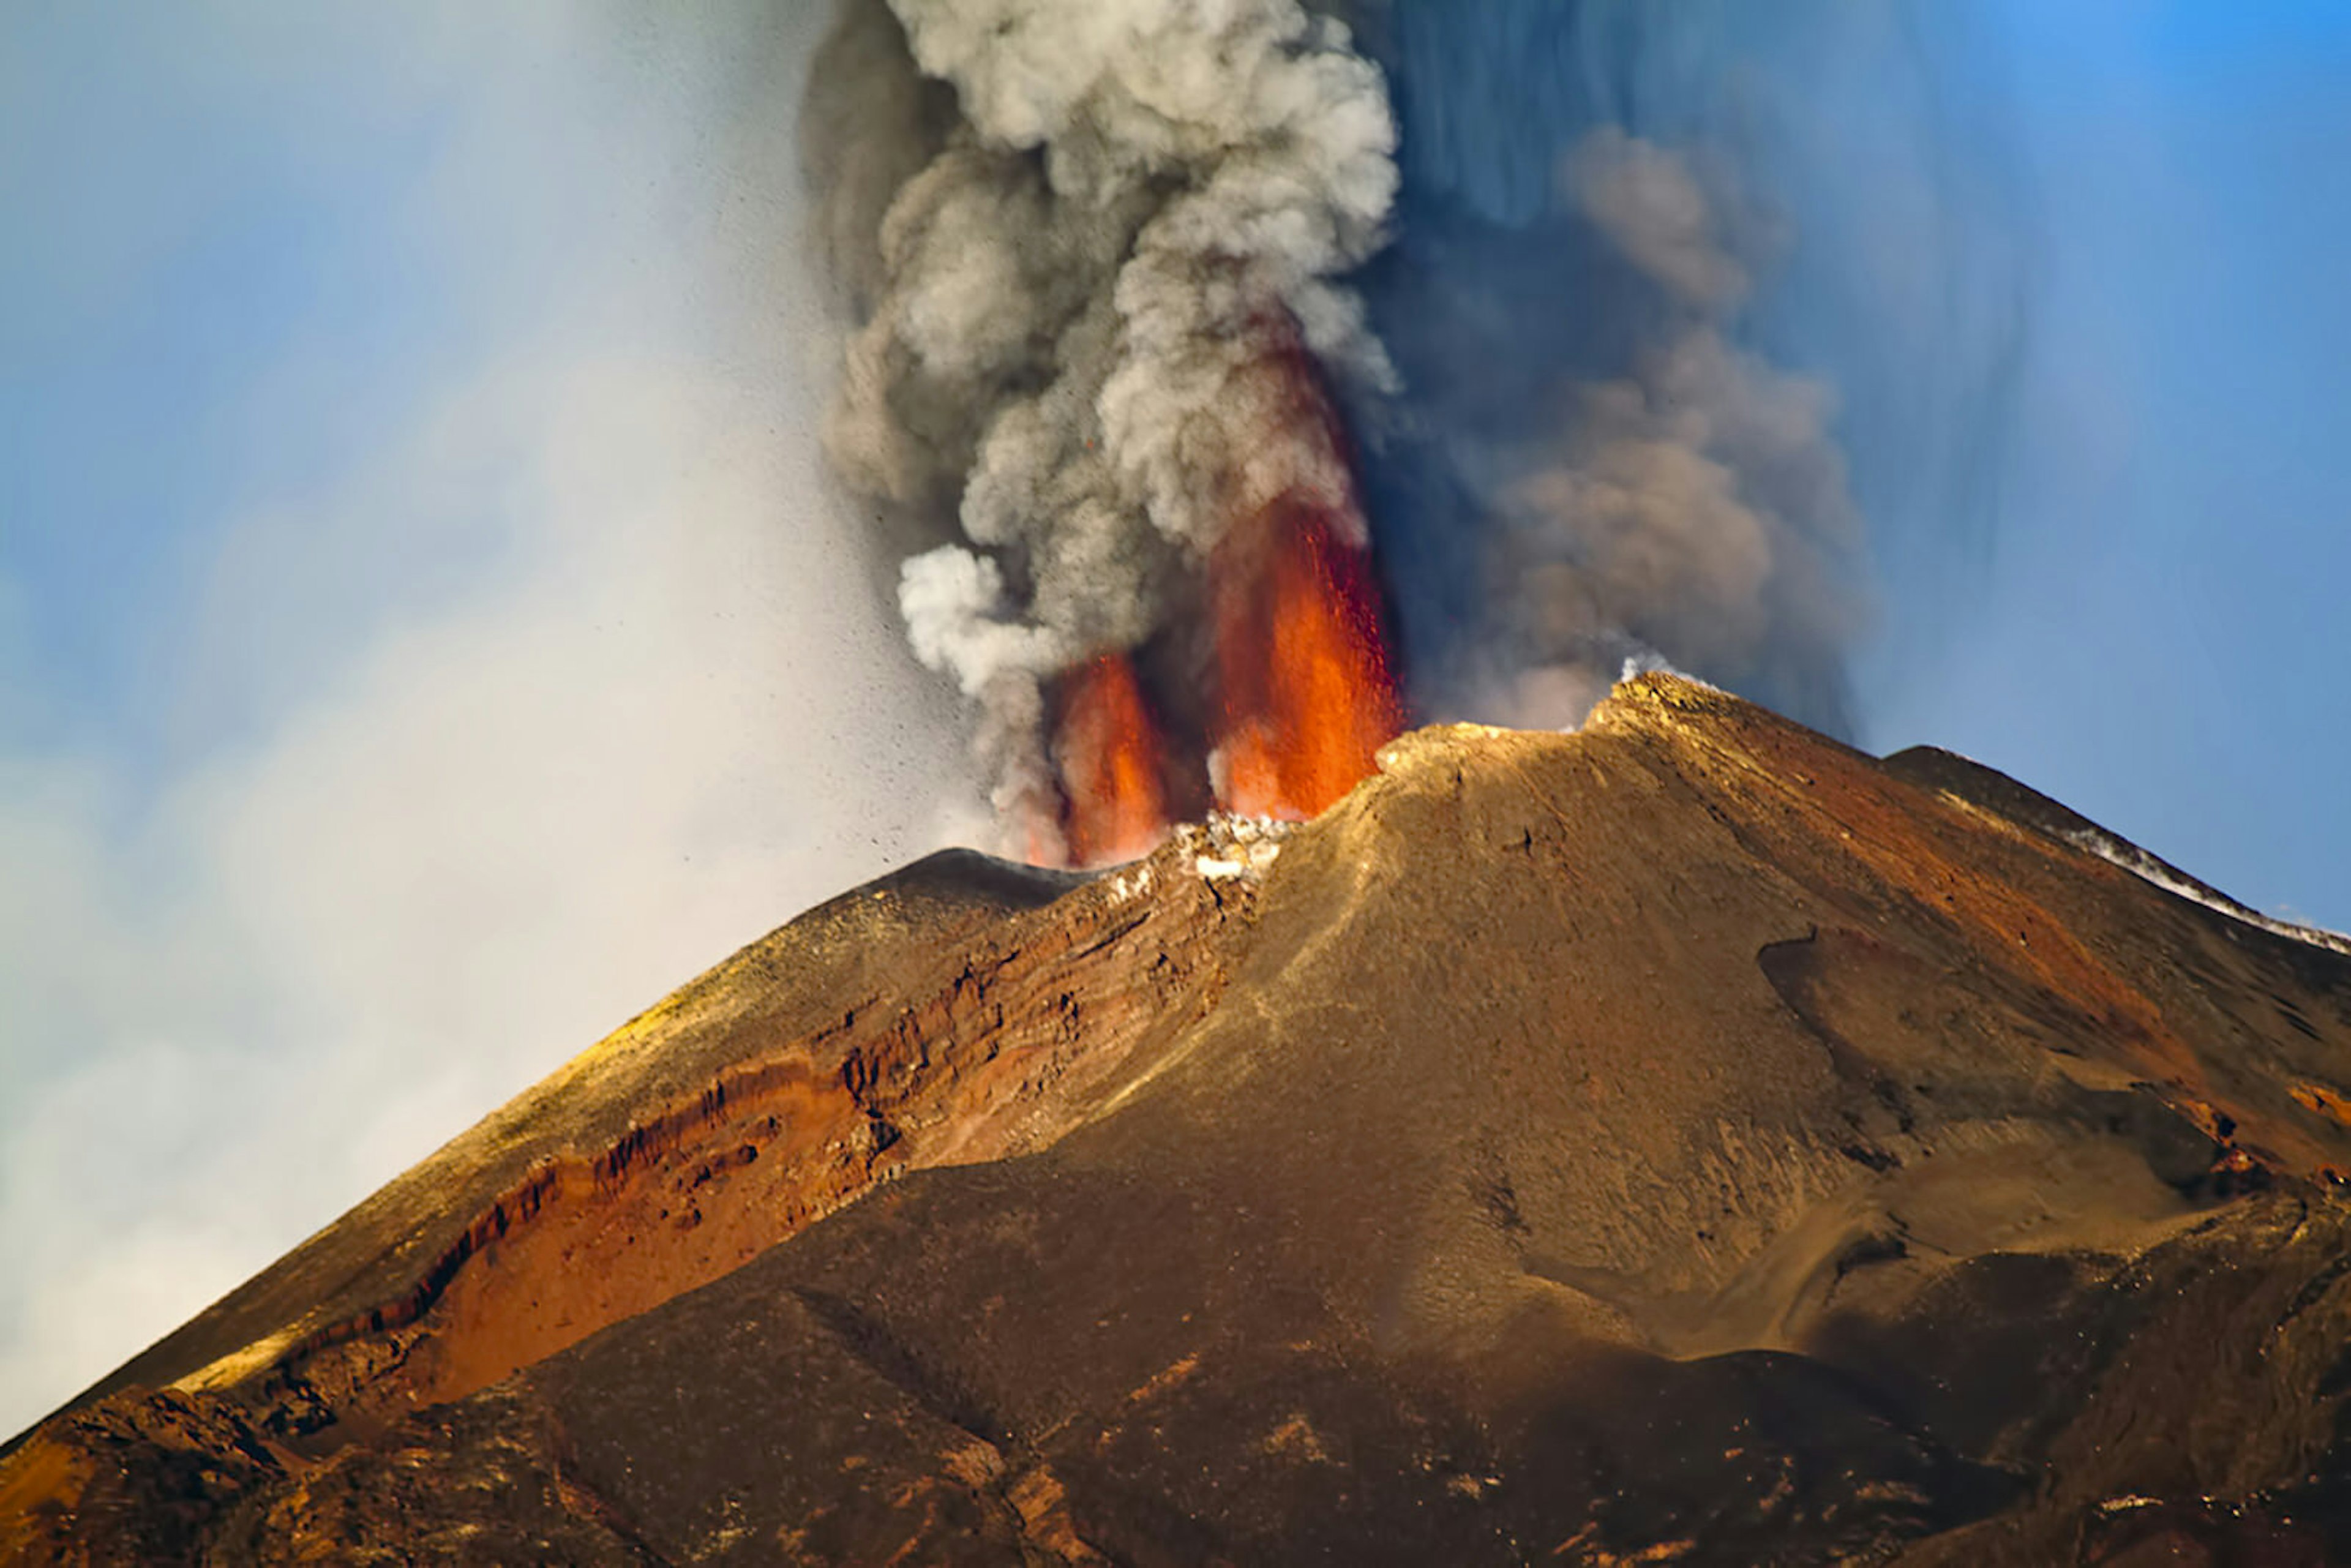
(183, 248)
(2160, 638)
(423, 638)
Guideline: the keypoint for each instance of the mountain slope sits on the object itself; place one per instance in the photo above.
(1687, 1138)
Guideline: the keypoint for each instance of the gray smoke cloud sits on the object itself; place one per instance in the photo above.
(1072, 338)
(1084, 242)
(1692, 512)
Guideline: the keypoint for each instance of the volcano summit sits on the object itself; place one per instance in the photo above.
(1687, 1140)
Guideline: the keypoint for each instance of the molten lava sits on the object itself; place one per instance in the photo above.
(1308, 696)
(1300, 695)
(1109, 755)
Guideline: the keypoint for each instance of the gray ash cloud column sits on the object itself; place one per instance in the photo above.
(1087, 283)
(1655, 373)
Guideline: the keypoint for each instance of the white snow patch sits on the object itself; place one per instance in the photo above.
(2149, 869)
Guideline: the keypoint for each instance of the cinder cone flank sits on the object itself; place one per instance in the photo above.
(1686, 1140)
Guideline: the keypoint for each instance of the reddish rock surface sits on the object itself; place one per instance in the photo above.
(1685, 1141)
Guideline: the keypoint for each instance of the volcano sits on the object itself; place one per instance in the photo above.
(1687, 1140)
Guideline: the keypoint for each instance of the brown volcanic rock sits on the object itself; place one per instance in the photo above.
(1688, 1140)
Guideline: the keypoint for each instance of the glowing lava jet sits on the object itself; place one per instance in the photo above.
(1306, 698)
(1303, 692)
(1112, 759)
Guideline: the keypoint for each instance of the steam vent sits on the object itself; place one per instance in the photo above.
(1685, 1141)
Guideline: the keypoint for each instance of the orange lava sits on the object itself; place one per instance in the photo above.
(1308, 695)
(1296, 691)
(1109, 755)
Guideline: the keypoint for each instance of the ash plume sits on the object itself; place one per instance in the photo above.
(1630, 240)
(1440, 282)
(1691, 510)
(1068, 377)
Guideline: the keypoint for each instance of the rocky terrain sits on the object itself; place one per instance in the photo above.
(1685, 1141)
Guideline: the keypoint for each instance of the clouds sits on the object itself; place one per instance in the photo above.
(502, 690)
